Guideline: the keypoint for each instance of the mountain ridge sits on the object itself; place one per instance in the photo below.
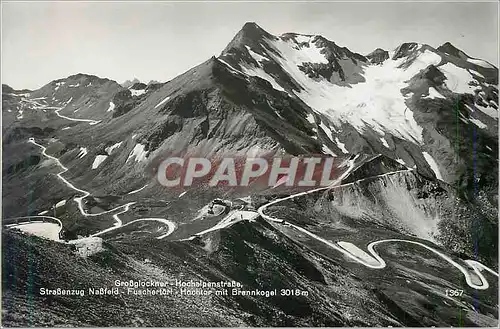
(251, 30)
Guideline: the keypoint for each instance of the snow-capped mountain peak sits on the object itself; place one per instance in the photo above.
(378, 94)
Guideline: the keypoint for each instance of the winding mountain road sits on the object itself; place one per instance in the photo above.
(79, 200)
(373, 259)
(57, 109)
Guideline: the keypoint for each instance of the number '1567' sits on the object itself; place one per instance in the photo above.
(454, 292)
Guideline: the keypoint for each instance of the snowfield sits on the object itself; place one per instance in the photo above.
(480, 63)
(110, 149)
(301, 52)
(258, 72)
(341, 145)
(457, 79)
(98, 160)
(478, 123)
(433, 164)
(490, 111)
(257, 57)
(138, 153)
(162, 102)
(327, 150)
(111, 107)
(377, 102)
(327, 130)
(384, 142)
(230, 67)
(83, 152)
(433, 93)
(137, 92)
(300, 38)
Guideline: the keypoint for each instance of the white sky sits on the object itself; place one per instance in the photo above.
(44, 41)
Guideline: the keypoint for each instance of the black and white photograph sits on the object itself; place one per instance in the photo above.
(249, 163)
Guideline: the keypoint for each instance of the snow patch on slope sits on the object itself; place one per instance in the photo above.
(230, 67)
(341, 145)
(301, 38)
(433, 93)
(478, 123)
(477, 73)
(433, 164)
(384, 142)
(480, 63)
(327, 150)
(110, 149)
(83, 152)
(299, 54)
(258, 72)
(162, 102)
(490, 111)
(257, 57)
(401, 161)
(327, 130)
(111, 107)
(310, 118)
(98, 160)
(138, 153)
(457, 79)
(137, 92)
